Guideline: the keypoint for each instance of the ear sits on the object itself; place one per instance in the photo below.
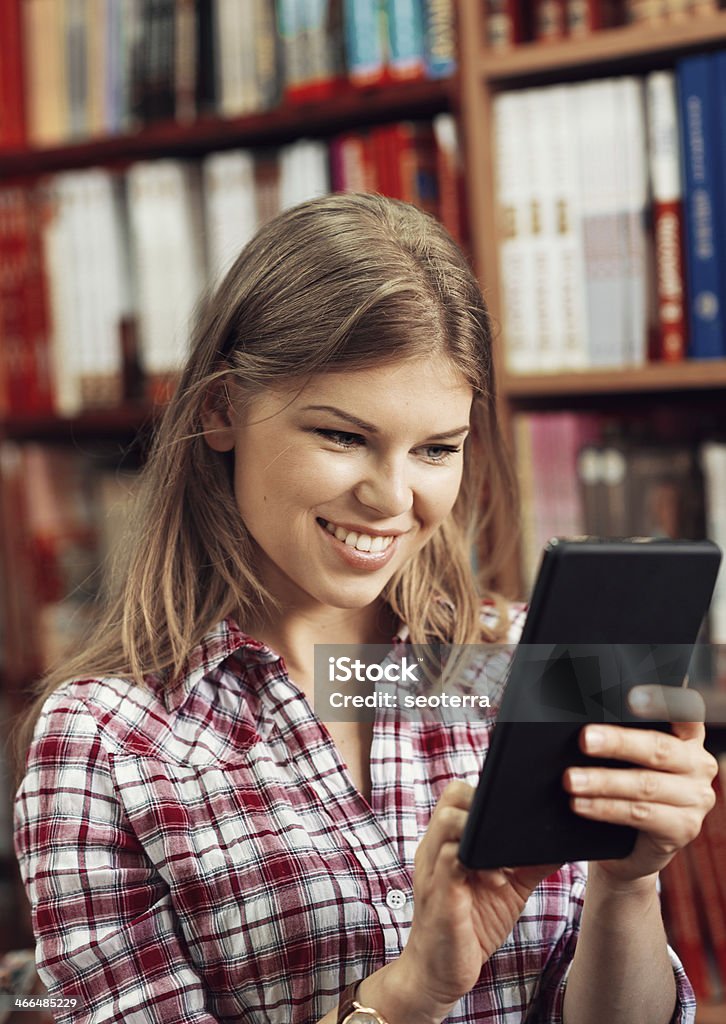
(217, 419)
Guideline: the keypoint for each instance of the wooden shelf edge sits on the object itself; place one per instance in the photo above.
(120, 421)
(612, 46)
(690, 375)
(347, 109)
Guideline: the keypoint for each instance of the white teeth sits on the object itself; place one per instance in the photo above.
(360, 541)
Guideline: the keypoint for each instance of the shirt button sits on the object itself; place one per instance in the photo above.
(395, 899)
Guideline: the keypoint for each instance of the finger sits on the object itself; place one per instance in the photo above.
(647, 747)
(667, 704)
(640, 784)
(674, 827)
(446, 826)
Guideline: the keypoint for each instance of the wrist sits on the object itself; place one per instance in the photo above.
(397, 994)
(610, 885)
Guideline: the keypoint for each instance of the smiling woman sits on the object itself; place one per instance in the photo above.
(197, 844)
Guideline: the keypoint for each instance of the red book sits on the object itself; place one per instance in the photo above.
(706, 883)
(549, 20)
(585, 16)
(669, 339)
(503, 23)
(35, 303)
(450, 173)
(12, 107)
(683, 925)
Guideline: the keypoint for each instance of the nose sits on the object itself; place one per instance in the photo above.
(385, 488)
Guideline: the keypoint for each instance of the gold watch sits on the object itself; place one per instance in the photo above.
(350, 1011)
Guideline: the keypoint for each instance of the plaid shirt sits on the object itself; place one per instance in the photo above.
(197, 853)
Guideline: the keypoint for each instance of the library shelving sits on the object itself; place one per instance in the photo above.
(689, 390)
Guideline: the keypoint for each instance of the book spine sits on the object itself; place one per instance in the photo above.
(12, 89)
(439, 38)
(512, 198)
(549, 17)
(683, 925)
(503, 23)
(450, 177)
(666, 184)
(697, 86)
(406, 56)
(635, 202)
(364, 41)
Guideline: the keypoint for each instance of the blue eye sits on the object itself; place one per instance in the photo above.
(440, 452)
(341, 437)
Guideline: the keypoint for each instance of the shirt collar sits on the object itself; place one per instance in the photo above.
(215, 647)
(225, 639)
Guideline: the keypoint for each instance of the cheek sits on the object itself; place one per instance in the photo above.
(440, 501)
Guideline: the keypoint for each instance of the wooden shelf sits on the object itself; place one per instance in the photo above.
(122, 422)
(617, 48)
(347, 109)
(690, 375)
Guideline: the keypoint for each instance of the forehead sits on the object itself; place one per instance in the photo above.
(428, 390)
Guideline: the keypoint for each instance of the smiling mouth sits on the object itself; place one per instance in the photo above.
(359, 541)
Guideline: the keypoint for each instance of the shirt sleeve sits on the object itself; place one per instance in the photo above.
(106, 931)
(549, 1003)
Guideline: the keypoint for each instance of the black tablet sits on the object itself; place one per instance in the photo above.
(605, 615)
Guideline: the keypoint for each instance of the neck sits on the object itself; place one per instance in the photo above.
(294, 634)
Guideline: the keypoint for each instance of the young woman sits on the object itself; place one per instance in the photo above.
(197, 844)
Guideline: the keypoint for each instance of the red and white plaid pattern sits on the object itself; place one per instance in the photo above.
(198, 853)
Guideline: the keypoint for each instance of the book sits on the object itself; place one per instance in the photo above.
(439, 38)
(568, 250)
(634, 206)
(230, 207)
(585, 16)
(601, 159)
(712, 455)
(698, 87)
(450, 173)
(12, 80)
(683, 926)
(406, 50)
(512, 198)
(167, 244)
(671, 334)
(364, 41)
(549, 18)
(503, 23)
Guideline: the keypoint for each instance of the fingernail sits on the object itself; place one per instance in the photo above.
(578, 779)
(594, 739)
(639, 699)
(581, 803)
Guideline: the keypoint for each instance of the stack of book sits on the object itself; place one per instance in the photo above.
(101, 271)
(511, 22)
(71, 70)
(610, 212)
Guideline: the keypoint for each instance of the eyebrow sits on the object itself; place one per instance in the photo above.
(371, 429)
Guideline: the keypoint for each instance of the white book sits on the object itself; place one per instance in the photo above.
(60, 263)
(546, 298)
(713, 463)
(512, 197)
(304, 172)
(600, 167)
(569, 253)
(167, 251)
(103, 382)
(230, 207)
(637, 268)
(250, 99)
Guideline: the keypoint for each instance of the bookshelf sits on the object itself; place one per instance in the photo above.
(691, 393)
(482, 74)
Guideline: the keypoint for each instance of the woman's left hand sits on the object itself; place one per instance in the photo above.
(669, 792)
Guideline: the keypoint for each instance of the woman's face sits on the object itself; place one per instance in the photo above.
(341, 483)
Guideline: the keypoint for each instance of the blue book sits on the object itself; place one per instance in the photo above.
(439, 40)
(405, 38)
(363, 23)
(698, 100)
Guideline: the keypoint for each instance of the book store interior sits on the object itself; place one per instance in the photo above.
(576, 152)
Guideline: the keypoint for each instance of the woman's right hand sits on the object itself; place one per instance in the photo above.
(460, 917)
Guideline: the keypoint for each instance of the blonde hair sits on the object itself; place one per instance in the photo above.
(342, 282)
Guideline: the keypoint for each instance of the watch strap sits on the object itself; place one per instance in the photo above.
(348, 1005)
(346, 1000)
